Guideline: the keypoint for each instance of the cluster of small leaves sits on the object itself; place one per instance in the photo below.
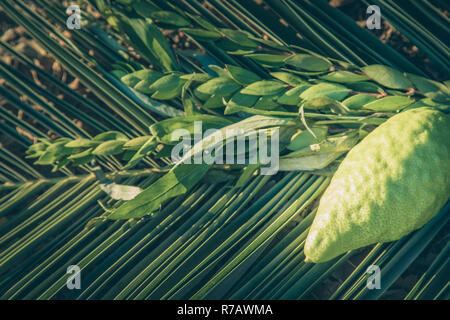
(298, 81)
(301, 148)
(76, 152)
(297, 75)
(374, 88)
(299, 84)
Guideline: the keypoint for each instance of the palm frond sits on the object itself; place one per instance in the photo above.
(217, 241)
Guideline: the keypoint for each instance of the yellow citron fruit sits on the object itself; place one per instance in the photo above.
(393, 182)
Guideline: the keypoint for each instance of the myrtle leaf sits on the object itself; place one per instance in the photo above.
(170, 18)
(308, 62)
(239, 37)
(147, 74)
(199, 77)
(288, 78)
(232, 47)
(81, 143)
(264, 88)
(36, 150)
(130, 80)
(158, 107)
(269, 60)
(292, 96)
(54, 152)
(219, 86)
(365, 86)
(267, 102)
(82, 160)
(430, 88)
(215, 101)
(343, 76)
(168, 87)
(387, 104)
(110, 135)
(242, 76)
(428, 102)
(109, 148)
(60, 164)
(118, 73)
(166, 83)
(201, 96)
(240, 99)
(387, 76)
(80, 155)
(202, 35)
(322, 102)
(329, 90)
(304, 72)
(221, 72)
(143, 86)
(136, 143)
(258, 111)
(357, 101)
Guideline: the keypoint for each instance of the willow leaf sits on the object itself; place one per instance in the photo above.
(177, 181)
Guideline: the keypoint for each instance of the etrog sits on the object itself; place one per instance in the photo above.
(393, 182)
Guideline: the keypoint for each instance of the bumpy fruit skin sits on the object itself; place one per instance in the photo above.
(393, 182)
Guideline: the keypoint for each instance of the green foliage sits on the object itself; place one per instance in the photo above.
(232, 233)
